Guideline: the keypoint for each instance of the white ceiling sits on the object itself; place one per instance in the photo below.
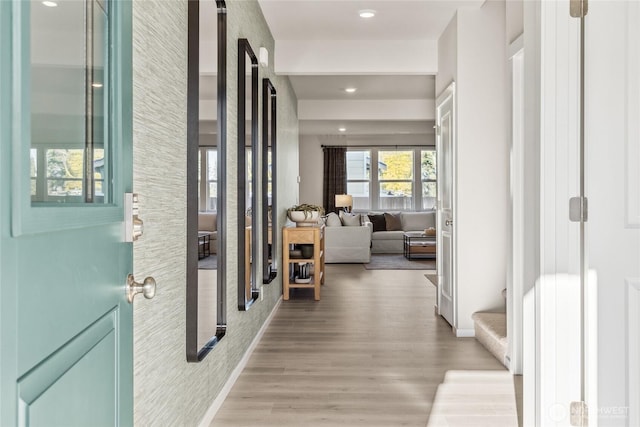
(366, 127)
(339, 20)
(358, 53)
(369, 87)
(304, 27)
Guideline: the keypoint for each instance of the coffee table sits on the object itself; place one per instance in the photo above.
(418, 245)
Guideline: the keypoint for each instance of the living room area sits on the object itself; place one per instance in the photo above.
(378, 183)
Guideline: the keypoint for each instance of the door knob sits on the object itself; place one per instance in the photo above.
(448, 222)
(146, 288)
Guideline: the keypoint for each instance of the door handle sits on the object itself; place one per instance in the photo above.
(146, 288)
(448, 222)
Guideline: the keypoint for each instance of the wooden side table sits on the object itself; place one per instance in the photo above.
(303, 235)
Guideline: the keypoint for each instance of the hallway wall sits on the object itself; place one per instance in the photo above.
(167, 389)
(478, 63)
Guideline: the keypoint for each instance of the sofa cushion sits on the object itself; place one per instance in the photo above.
(207, 221)
(394, 222)
(388, 235)
(350, 220)
(333, 220)
(378, 221)
(418, 221)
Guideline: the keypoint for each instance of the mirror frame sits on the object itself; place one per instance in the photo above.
(269, 139)
(244, 50)
(195, 354)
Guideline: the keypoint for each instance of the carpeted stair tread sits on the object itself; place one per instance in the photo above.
(491, 332)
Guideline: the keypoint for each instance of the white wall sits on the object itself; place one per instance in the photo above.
(474, 54)
(515, 19)
(312, 157)
(447, 56)
(330, 57)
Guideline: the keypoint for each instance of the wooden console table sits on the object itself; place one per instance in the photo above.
(303, 235)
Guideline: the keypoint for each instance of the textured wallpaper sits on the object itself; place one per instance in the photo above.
(167, 389)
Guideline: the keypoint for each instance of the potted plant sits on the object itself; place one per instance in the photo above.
(305, 215)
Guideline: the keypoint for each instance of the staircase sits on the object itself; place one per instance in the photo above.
(491, 332)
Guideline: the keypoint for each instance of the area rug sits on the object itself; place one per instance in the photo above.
(208, 263)
(398, 262)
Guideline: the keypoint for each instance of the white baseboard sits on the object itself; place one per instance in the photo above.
(219, 400)
(464, 333)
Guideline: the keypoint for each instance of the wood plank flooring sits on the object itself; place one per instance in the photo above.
(371, 352)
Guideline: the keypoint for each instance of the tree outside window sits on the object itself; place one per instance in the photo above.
(386, 179)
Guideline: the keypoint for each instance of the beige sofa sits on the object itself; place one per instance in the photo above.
(207, 223)
(346, 243)
(391, 242)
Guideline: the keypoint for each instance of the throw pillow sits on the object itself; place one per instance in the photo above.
(350, 220)
(394, 222)
(333, 220)
(378, 221)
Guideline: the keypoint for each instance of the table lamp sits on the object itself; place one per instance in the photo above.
(344, 201)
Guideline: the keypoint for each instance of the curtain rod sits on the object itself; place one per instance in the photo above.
(375, 146)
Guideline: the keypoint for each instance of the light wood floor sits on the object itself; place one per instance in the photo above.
(370, 353)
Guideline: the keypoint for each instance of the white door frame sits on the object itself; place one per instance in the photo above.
(551, 325)
(516, 277)
(447, 95)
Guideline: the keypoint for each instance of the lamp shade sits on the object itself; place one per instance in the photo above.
(344, 200)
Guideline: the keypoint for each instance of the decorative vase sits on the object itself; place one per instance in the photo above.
(298, 217)
(307, 251)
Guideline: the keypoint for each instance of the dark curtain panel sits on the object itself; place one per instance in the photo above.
(335, 176)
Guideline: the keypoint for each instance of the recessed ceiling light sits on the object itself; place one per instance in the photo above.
(342, 129)
(367, 13)
(350, 89)
(96, 84)
(49, 3)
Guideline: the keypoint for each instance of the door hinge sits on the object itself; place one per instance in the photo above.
(579, 416)
(578, 8)
(578, 209)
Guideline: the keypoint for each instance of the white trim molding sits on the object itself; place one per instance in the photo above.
(207, 420)
(464, 333)
(633, 330)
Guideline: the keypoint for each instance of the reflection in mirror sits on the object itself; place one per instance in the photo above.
(206, 169)
(69, 158)
(248, 290)
(269, 208)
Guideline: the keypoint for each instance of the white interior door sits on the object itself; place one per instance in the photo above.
(612, 138)
(445, 148)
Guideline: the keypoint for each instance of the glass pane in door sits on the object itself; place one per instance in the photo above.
(69, 101)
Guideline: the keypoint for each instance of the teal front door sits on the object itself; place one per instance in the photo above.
(65, 165)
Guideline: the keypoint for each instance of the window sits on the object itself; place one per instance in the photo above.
(208, 179)
(391, 179)
(57, 174)
(428, 178)
(358, 178)
(249, 183)
(269, 179)
(395, 180)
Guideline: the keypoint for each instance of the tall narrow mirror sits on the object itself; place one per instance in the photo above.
(248, 238)
(206, 171)
(269, 176)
